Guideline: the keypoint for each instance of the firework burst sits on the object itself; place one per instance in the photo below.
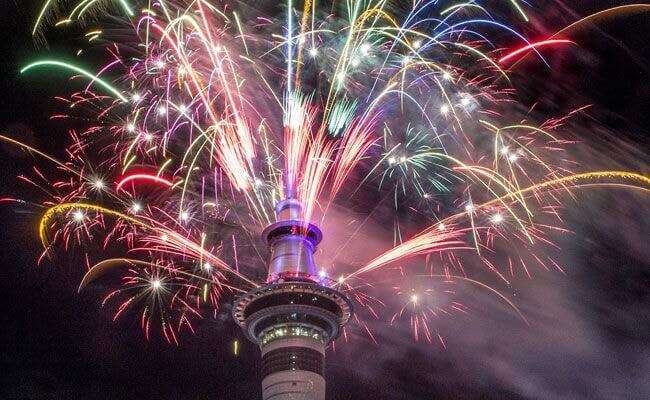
(205, 115)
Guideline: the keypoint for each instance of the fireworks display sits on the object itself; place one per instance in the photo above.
(205, 114)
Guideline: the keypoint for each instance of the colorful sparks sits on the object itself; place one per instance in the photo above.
(206, 116)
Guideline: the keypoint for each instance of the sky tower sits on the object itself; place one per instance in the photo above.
(293, 317)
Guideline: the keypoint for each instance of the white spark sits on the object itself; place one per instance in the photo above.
(496, 218)
(136, 207)
(465, 101)
(78, 215)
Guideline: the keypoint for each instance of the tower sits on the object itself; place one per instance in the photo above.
(293, 317)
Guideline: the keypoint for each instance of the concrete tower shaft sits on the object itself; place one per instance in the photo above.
(292, 368)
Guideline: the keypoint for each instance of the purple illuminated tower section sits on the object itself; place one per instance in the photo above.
(294, 316)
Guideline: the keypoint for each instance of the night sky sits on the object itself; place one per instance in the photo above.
(589, 335)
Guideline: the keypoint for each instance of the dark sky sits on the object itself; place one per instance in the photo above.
(588, 339)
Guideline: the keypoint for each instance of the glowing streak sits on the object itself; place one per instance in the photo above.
(519, 9)
(306, 12)
(40, 16)
(146, 177)
(81, 71)
(80, 6)
(354, 145)
(85, 8)
(422, 244)
(289, 47)
(573, 179)
(127, 8)
(459, 6)
(241, 32)
(532, 46)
